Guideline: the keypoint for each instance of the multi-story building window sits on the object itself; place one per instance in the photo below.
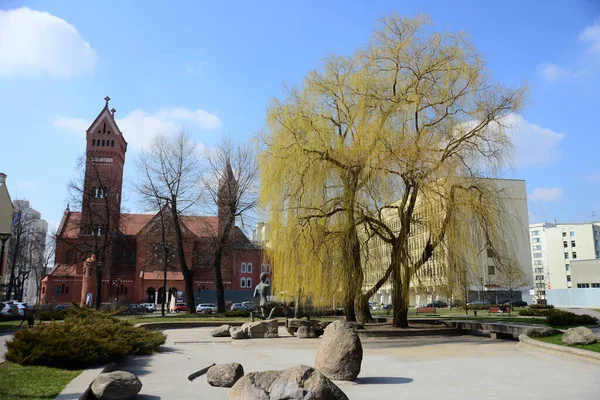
(572, 233)
(537, 247)
(535, 233)
(537, 255)
(568, 278)
(574, 255)
(538, 262)
(565, 244)
(583, 285)
(566, 255)
(596, 285)
(572, 243)
(536, 240)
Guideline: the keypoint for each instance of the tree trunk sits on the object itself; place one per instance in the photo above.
(99, 268)
(219, 289)
(162, 303)
(363, 313)
(189, 291)
(349, 310)
(188, 274)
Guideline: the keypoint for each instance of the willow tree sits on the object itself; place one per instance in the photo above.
(440, 130)
(391, 142)
(313, 169)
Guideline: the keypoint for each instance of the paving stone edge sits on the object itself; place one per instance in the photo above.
(529, 344)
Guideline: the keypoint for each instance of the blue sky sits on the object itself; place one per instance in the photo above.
(212, 67)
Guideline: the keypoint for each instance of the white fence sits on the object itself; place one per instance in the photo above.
(579, 298)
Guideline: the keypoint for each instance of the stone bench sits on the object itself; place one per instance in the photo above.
(497, 330)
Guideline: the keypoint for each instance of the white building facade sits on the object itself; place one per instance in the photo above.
(486, 282)
(30, 264)
(554, 248)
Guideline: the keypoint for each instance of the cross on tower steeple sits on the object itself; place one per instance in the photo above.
(107, 100)
(113, 111)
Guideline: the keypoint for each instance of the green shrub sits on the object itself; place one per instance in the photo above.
(535, 312)
(86, 338)
(541, 306)
(237, 313)
(479, 307)
(565, 318)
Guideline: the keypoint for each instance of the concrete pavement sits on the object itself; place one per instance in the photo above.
(4, 337)
(416, 367)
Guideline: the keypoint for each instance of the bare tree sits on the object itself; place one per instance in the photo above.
(26, 247)
(171, 170)
(231, 184)
(96, 194)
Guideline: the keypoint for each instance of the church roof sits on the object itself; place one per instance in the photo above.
(132, 224)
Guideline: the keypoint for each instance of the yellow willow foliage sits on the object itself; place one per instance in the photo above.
(392, 141)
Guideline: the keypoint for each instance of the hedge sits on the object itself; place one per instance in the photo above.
(85, 338)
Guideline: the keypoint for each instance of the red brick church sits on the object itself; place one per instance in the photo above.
(134, 263)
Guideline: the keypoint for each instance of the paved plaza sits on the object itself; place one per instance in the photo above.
(434, 367)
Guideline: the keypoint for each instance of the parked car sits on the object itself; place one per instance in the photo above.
(515, 303)
(150, 307)
(206, 308)
(180, 307)
(62, 307)
(478, 302)
(250, 305)
(437, 304)
(9, 310)
(239, 306)
(21, 307)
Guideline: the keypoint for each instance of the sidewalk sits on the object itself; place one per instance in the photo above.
(430, 367)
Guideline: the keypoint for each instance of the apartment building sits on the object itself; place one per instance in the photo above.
(556, 248)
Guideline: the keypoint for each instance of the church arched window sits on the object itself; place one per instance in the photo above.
(112, 143)
(249, 268)
(93, 142)
(249, 282)
(243, 282)
(243, 268)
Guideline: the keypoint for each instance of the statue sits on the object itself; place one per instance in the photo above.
(262, 289)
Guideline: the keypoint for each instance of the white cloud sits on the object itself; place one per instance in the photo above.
(76, 126)
(534, 144)
(552, 72)
(139, 127)
(33, 42)
(592, 34)
(546, 194)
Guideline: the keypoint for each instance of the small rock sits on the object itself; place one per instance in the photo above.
(579, 335)
(224, 375)
(253, 386)
(304, 383)
(221, 331)
(306, 332)
(237, 333)
(116, 385)
(340, 353)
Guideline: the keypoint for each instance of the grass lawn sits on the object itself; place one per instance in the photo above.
(11, 325)
(557, 339)
(32, 383)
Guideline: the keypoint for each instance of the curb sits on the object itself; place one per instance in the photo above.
(191, 324)
(528, 344)
(80, 387)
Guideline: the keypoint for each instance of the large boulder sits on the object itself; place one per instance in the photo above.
(306, 332)
(224, 375)
(304, 383)
(253, 386)
(293, 324)
(237, 332)
(221, 331)
(579, 335)
(271, 328)
(340, 352)
(116, 385)
(262, 329)
(542, 331)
